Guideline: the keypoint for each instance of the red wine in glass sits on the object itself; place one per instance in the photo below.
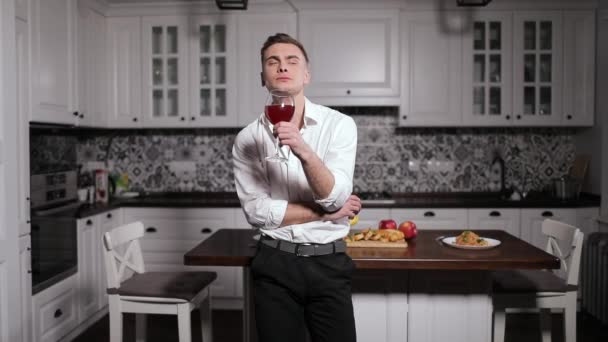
(280, 106)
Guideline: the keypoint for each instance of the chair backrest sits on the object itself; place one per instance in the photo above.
(121, 265)
(570, 239)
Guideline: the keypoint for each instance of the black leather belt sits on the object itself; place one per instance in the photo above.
(305, 249)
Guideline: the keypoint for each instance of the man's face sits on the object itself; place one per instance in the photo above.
(285, 68)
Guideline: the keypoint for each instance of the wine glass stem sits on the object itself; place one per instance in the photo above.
(276, 146)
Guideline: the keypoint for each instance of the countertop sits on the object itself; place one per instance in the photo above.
(403, 200)
(236, 247)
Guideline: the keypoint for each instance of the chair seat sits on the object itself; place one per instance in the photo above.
(526, 281)
(180, 285)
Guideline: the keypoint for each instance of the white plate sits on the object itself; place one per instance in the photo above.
(128, 194)
(451, 241)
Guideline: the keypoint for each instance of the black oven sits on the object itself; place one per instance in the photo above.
(54, 232)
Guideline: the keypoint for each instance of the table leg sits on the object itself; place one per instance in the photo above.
(249, 330)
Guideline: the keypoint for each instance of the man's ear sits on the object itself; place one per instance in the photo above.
(262, 79)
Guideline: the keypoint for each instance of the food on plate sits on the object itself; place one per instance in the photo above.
(387, 224)
(383, 235)
(409, 229)
(468, 238)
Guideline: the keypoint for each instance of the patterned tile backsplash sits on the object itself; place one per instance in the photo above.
(389, 158)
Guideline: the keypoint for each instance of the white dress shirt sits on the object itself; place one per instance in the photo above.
(264, 188)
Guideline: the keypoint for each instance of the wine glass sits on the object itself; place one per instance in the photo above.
(279, 107)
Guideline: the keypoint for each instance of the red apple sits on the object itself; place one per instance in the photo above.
(409, 229)
(387, 224)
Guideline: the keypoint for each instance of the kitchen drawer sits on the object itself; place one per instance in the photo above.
(172, 229)
(433, 218)
(54, 309)
(531, 223)
(496, 218)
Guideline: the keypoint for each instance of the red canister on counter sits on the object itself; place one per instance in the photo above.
(101, 186)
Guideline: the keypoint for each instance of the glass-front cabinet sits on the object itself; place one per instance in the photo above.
(212, 90)
(537, 73)
(165, 90)
(487, 69)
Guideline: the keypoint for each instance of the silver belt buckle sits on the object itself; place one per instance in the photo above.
(298, 249)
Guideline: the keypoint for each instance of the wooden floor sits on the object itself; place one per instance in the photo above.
(227, 328)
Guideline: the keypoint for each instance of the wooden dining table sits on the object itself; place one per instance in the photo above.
(415, 286)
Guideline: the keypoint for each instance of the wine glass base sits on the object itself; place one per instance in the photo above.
(276, 159)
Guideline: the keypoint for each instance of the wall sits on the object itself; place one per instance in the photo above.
(200, 160)
(602, 101)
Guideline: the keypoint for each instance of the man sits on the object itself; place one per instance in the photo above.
(301, 273)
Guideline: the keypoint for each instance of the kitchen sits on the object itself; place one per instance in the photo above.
(108, 85)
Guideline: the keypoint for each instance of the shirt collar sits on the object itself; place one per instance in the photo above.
(311, 115)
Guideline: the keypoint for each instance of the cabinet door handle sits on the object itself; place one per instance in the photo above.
(81, 116)
(29, 271)
(518, 117)
(150, 230)
(58, 313)
(404, 117)
(182, 118)
(495, 213)
(206, 230)
(134, 119)
(193, 118)
(75, 113)
(547, 214)
(569, 117)
(348, 92)
(429, 214)
(89, 222)
(109, 215)
(508, 117)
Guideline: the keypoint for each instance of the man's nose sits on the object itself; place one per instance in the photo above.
(282, 69)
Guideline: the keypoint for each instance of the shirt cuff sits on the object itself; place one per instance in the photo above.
(336, 198)
(276, 213)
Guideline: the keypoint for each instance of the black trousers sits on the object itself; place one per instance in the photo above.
(294, 294)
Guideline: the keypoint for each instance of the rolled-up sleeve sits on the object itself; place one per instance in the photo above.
(252, 186)
(340, 160)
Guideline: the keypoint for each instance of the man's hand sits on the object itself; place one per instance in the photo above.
(289, 135)
(350, 209)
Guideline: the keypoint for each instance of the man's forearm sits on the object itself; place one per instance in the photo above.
(320, 179)
(297, 213)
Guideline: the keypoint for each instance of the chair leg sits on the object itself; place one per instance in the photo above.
(183, 322)
(115, 319)
(545, 325)
(205, 311)
(140, 327)
(499, 324)
(570, 318)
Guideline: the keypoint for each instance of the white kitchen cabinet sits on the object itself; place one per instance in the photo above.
(106, 222)
(431, 63)
(252, 31)
(171, 232)
(433, 218)
(498, 218)
(212, 91)
(53, 61)
(91, 66)
(579, 68)
(354, 55)
(487, 70)
(370, 218)
(55, 311)
(532, 218)
(25, 258)
(537, 68)
(22, 89)
(165, 71)
(124, 72)
(21, 9)
(586, 220)
(89, 267)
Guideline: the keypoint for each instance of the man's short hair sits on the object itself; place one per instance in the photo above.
(282, 38)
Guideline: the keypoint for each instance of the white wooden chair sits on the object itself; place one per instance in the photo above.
(131, 289)
(540, 289)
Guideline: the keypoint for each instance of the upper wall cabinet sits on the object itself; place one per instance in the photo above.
(353, 55)
(537, 68)
(53, 61)
(431, 69)
(212, 90)
(253, 29)
(487, 70)
(124, 71)
(165, 71)
(579, 68)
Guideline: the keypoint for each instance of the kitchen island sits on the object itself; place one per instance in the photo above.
(425, 292)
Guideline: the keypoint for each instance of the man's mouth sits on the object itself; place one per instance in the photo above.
(283, 78)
